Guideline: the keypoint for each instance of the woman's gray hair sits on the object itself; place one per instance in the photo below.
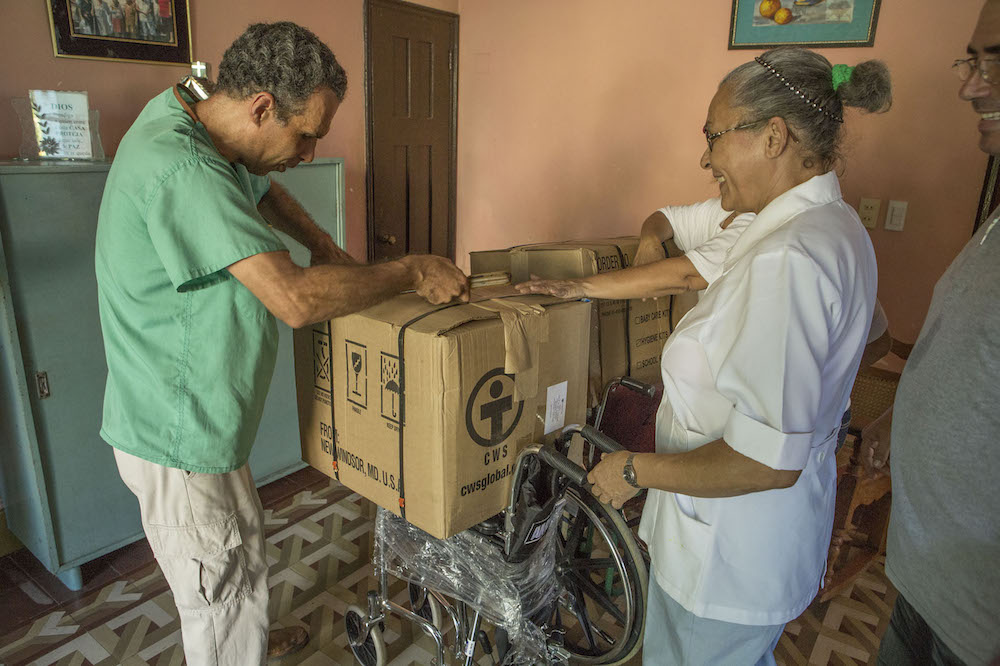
(794, 83)
(283, 59)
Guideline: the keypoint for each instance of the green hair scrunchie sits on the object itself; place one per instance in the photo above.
(841, 74)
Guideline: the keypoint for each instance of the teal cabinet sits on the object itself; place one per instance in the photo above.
(58, 480)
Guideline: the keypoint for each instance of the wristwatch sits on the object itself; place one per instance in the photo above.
(628, 472)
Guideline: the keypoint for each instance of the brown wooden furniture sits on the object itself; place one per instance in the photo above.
(861, 516)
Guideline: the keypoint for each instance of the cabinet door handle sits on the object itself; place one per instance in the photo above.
(388, 239)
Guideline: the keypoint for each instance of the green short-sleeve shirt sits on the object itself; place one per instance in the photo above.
(190, 350)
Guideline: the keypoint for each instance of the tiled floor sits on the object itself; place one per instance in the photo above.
(319, 546)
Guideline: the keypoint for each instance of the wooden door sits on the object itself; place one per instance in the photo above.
(412, 93)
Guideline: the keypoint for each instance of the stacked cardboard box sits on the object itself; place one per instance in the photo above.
(423, 409)
(627, 336)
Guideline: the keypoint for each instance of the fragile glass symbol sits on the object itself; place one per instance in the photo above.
(356, 365)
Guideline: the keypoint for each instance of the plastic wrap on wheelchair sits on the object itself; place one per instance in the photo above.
(472, 568)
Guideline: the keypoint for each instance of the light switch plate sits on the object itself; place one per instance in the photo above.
(868, 210)
(895, 216)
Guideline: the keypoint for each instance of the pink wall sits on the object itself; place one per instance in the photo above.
(580, 117)
(120, 89)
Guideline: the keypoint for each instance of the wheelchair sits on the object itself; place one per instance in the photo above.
(587, 575)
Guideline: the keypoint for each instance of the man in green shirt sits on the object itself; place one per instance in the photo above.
(190, 280)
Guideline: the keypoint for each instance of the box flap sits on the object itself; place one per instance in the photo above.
(572, 259)
(417, 314)
(525, 327)
(625, 243)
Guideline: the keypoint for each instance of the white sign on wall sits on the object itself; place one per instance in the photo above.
(62, 125)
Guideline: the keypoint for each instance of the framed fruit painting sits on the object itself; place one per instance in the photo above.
(757, 24)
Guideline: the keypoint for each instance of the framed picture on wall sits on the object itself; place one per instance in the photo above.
(150, 31)
(764, 24)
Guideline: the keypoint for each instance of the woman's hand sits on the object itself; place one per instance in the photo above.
(610, 486)
(560, 288)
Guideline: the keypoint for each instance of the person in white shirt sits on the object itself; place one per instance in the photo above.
(758, 375)
(704, 231)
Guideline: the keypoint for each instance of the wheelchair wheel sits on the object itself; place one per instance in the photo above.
(368, 649)
(426, 606)
(603, 581)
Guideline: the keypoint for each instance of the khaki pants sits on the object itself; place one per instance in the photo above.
(207, 533)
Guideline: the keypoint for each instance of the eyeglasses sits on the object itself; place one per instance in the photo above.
(710, 137)
(989, 69)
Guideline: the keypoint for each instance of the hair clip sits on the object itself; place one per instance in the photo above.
(796, 91)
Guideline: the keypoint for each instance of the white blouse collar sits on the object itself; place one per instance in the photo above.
(817, 191)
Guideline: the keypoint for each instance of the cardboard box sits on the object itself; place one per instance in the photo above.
(628, 336)
(489, 261)
(431, 405)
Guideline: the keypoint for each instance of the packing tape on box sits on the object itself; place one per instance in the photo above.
(525, 327)
(402, 396)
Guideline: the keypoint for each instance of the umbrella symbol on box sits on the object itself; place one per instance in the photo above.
(393, 388)
(390, 388)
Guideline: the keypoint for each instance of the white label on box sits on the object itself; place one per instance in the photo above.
(555, 407)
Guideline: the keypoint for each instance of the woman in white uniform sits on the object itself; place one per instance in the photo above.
(758, 375)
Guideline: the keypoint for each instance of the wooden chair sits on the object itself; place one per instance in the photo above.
(861, 517)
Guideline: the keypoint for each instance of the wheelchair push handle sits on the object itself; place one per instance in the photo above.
(640, 387)
(599, 439)
(563, 465)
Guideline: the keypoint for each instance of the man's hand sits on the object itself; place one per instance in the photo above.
(437, 279)
(875, 445)
(328, 252)
(610, 486)
(559, 288)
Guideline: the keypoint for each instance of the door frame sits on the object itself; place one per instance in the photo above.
(370, 6)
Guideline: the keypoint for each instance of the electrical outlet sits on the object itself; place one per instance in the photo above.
(895, 216)
(868, 210)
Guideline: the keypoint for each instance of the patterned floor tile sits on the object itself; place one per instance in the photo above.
(131, 557)
(319, 549)
(21, 597)
(845, 630)
(43, 636)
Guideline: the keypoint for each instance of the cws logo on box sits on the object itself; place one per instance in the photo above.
(491, 414)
